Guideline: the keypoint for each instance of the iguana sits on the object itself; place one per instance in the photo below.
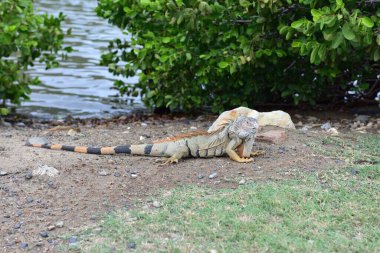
(241, 131)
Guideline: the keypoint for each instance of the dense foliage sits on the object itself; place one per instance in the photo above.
(24, 38)
(226, 53)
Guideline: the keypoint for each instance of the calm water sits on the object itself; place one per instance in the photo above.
(79, 87)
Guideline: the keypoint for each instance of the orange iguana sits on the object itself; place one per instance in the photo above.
(239, 132)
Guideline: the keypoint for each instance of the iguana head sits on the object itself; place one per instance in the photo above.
(244, 127)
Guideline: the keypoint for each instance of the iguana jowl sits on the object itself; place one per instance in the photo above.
(240, 132)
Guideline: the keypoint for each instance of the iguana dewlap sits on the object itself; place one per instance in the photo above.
(224, 141)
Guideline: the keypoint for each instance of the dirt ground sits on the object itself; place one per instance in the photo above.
(42, 211)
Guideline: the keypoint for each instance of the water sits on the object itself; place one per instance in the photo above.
(79, 87)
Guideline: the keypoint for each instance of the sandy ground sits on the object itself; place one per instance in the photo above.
(42, 211)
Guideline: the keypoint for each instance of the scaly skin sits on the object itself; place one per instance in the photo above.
(241, 131)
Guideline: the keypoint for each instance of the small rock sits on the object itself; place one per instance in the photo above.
(326, 126)
(117, 174)
(73, 240)
(369, 125)
(354, 171)
(44, 234)
(6, 124)
(273, 136)
(59, 224)
(72, 133)
(142, 138)
(3, 173)
(243, 181)
(29, 199)
(110, 161)
(46, 170)
(28, 175)
(281, 150)
(213, 251)
(133, 175)
(156, 204)
(304, 129)
(17, 225)
(51, 184)
(144, 124)
(19, 213)
(20, 124)
(200, 176)
(24, 245)
(7, 216)
(298, 116)
(131, 245)
(299, 124)
(103, 173)
(193, 128)
(362, 118)
(213, 175)
(333, 131)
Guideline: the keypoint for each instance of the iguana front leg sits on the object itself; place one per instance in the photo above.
(230, 150)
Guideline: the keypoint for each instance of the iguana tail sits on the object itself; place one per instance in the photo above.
(140, 149)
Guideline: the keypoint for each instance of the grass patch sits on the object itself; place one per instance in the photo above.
(322, 213)
(328, 211)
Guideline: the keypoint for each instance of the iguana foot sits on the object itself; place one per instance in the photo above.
(257, 153)
(170, 160)
(243, 160)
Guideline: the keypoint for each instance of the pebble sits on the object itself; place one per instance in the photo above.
(156, 204)
(117, 174)
(354, 171)
(28, 175)
(144, 124)
(200, 176)
(131, 245)
(44, 234)
(29, 199)
(304, 129)
(3, 173)
(362, 118)
(213, 175)
(59, 224)
(142, 138)
(213, 251)
(17, 225)
(110, 161)
(6, 124)
(243, 181)
(19, 213)
(193, 128)
(298, 116)
(20, 124)
(73, 240)
(133, 175)
(281, 150)
(103, 173)
(326, 126)
(24, 245)
(333, 131)
(51, 184)
(312, 118)
(50, 228)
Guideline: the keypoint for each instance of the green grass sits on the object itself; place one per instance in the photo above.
(328, 211)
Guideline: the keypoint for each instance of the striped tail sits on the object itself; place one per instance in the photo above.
(141, 149)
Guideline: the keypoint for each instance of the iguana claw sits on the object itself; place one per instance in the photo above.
(170, 160)
(257, 153)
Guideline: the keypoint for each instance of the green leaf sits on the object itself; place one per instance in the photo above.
(166, 39)
(223, 64)
(338, 39)
(367, 22)
(314, 55)
(376, 55)
(298, 23)
(347, 32)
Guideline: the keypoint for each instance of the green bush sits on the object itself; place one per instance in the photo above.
(188, 54)
(24, 38)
